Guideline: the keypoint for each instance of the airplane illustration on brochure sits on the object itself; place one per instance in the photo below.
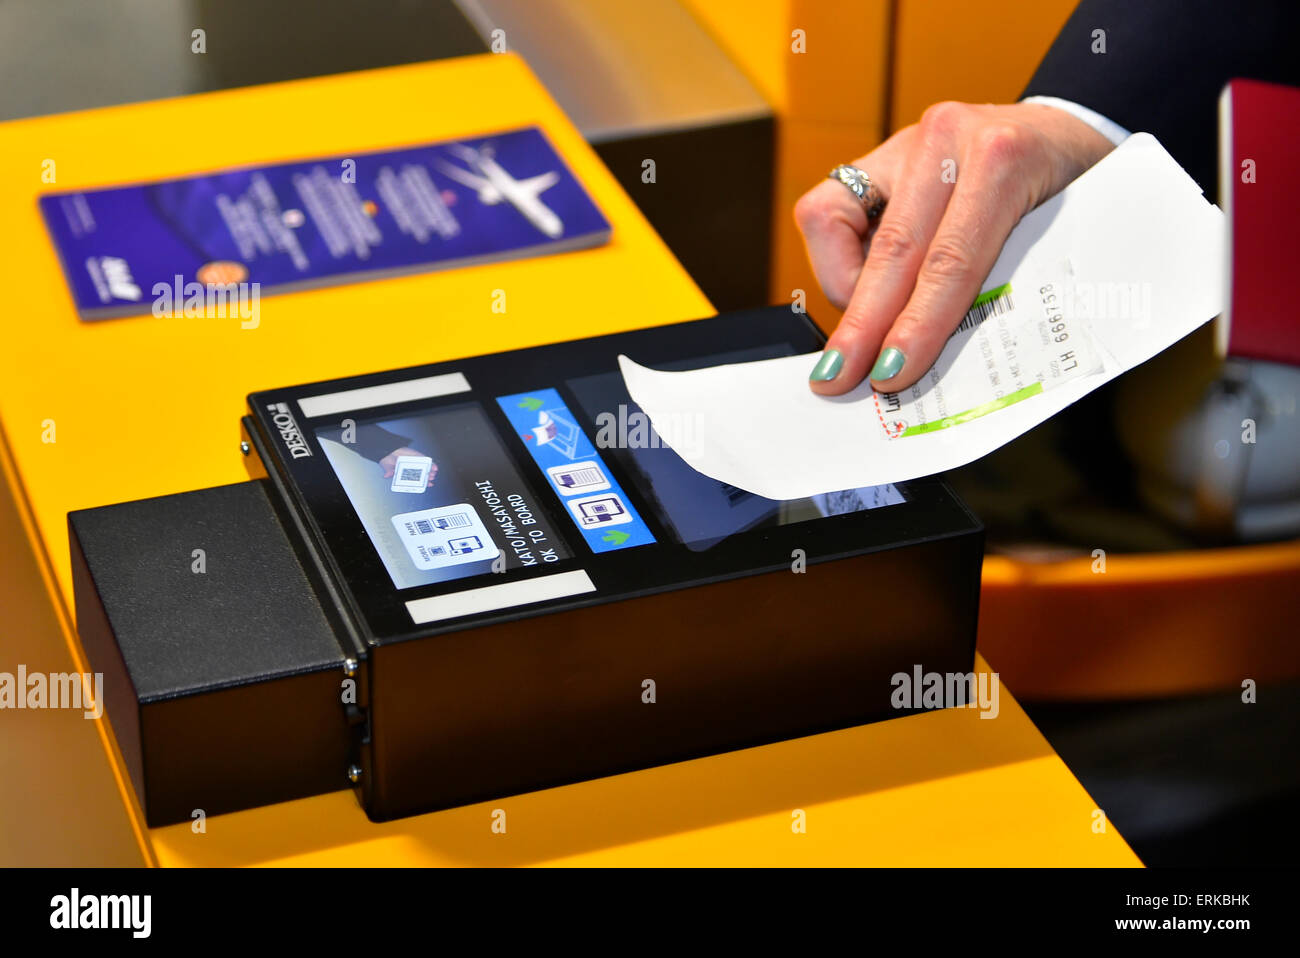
(493, 185)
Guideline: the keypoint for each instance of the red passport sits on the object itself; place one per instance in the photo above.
(1259, 187)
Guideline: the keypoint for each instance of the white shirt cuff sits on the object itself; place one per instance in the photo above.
(1107, 128)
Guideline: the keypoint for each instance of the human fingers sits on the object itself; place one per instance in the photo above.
(920, 196)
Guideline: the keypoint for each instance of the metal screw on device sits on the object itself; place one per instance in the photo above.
(349, 667)
(354, 773)
(245, 448)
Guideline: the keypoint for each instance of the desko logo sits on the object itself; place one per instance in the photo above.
(289, 430)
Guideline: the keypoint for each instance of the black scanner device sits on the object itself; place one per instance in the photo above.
(450, 583)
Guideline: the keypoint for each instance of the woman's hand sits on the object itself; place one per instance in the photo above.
(955, 184)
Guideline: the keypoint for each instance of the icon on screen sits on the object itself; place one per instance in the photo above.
(457, 520)
(595, 511)
(578, 477)
(556, 430)
(444, 536)
(411, 473)
(464, 545)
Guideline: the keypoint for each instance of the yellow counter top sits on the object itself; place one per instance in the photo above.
(147, 406)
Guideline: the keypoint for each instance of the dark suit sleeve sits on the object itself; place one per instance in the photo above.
(1166, 62)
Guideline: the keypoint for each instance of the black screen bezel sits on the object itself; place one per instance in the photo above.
(930, 511)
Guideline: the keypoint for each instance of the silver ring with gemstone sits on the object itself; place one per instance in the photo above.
(860, 185)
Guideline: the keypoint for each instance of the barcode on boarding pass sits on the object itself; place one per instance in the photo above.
(993, 303)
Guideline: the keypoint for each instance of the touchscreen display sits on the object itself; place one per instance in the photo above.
(700, 510)
(438, 496)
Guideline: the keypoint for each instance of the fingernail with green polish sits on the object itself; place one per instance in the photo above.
(888, 365)
(828, 367)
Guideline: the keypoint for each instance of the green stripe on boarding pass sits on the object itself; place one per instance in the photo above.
(1033, 389)
(991, 294)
